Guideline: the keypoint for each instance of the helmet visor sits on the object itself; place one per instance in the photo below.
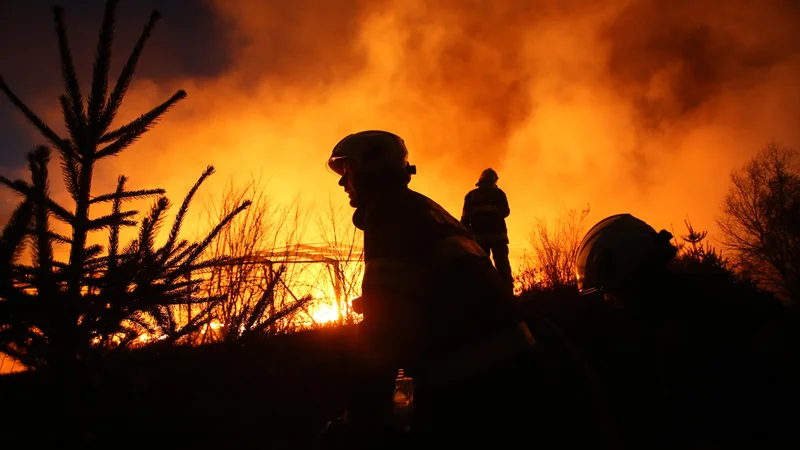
(341, 164)
(336, 164)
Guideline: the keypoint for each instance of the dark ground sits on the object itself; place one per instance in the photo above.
(275, 392)
(229, 395)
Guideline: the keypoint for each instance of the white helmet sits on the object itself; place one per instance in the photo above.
(615, 248)
(374, 150)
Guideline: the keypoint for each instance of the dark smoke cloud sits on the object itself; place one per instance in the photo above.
(671, 59)
(703, 49)
(303, 45)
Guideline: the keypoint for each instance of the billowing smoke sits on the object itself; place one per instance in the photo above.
(636, 106)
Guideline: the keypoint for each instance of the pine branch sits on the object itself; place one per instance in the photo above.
(43, 248)
(188, 286)
(132, 248)
(93, 250)
(125, 77)
(182, 245)
(140, 320)
(130, 132)
(113, 237)
(213, 234)
(176, 226)
(183, 254)
(62, 144)
(102, 64)
(56, 237)
(111, 219)
(26, 190)
(68, 70)
(13, 237)
(74, 125)
(150, 227)
(128, 195)
(69, 172)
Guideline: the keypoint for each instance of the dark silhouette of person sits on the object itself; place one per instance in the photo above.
(484, 214)
(434, 306)
(691, 357)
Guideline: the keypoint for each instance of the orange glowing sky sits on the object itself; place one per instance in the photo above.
(633, 106)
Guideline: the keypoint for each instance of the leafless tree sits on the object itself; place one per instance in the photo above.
(760, 221)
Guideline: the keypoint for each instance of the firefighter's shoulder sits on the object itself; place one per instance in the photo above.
(434, 215)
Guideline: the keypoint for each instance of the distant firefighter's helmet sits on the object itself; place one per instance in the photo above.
(488, 177)
(371, 151)
(615, 248)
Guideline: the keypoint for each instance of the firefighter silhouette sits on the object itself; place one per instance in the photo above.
(484, 214)
(691, 357)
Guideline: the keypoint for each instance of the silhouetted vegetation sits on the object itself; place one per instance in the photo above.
(253, 286)
(760, 221)
(697, 254)
(550, 262)
(55, 312)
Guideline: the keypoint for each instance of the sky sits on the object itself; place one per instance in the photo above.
(630, 106)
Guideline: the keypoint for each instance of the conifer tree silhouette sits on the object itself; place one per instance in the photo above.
(52, 312)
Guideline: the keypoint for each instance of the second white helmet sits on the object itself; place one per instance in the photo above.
(615, 248)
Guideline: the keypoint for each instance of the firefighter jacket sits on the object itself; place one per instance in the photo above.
(432, 302)
(485, 210)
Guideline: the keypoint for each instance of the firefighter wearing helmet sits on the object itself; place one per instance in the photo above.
(618, 251)
(484, 214)
(694, 351)
(434, 307)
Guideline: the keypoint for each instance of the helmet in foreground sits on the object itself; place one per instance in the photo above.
(488, 177)
(615, 249)
(372, 151)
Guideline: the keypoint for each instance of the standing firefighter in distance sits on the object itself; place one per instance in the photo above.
(435, 308)
(484, 214)
(706, 345)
